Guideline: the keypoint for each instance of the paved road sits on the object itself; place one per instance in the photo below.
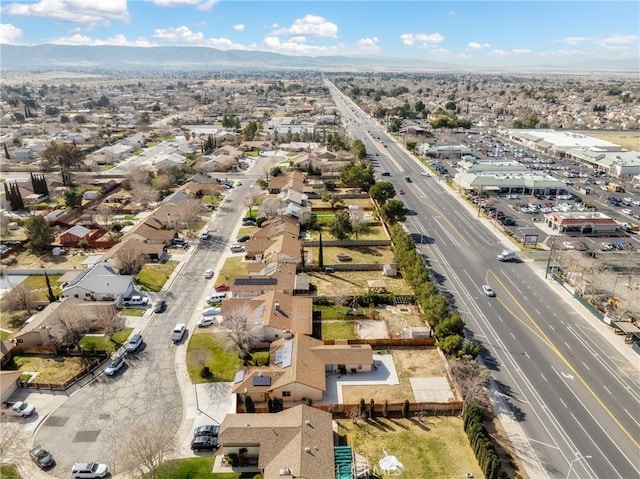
(572, 394)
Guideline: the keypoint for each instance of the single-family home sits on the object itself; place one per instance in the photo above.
(265, 277)
(100, 282)
(74, 235)
(280, 249)
(293, 179)
(296, 442)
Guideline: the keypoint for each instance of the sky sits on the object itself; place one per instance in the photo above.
(472, 33)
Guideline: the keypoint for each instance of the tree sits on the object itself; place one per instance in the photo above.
(12, 450)
(68, 328)
(341, 227)
(237, 330)
(147, 449)
(39, 233)
(362, 408)
(359, 150)
(451, 344)
(357, 175)
(320, 254)
(382, 191)
(394, 211)
(251, 197)
(129, 258)
(372, 410)
(64, 155)
(249, 407)
(332, 198)
(21, 298)
(472, 380)
(385, 409)
(406, 409)
(72, 198)
(450, 326)
(52, 297)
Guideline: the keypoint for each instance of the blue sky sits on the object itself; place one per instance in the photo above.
(475, 33)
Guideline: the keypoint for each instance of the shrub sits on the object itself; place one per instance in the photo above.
(205, 373)
(233, 459)
(405, 409)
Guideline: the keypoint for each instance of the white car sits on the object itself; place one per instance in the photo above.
(567, 245)
(212, 311)
(115, 366)
(23, 409)
(134, 343)
(425, 173)
(488, 290)
(205, 321)
(208, 274)
(89, 470)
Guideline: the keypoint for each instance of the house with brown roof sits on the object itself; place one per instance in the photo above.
(281, 249)
(273, 314)
(298, 367)
(132, 249)
(159, 227)
(292, 179)
(296, 442)
(280, 225)
(581, 222)
(265, 277)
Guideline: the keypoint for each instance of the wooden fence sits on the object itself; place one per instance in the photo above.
(451, 408)
(389, 342)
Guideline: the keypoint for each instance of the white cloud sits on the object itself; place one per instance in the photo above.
(239, 27)
(499, 52)
(273, 43)
(199, 4)
(9, 33)
(311, 26)
(423, 39)
(224, 44)
(298, 39)
(118, 40)
(618, 40)
(178, 35)
(368, 45)
(573, 40)
(521, 50)
(74, 11)
(477, 46)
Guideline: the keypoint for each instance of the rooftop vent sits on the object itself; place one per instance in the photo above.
(307, 422)
(307, 450)
(285, 472)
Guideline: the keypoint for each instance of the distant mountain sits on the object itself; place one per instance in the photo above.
(41, 57)
(57, 57)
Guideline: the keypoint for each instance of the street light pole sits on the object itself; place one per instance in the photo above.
(546, 273)
(577, 458)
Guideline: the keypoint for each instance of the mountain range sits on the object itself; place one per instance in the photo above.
(53, 56)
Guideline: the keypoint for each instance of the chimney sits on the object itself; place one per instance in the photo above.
(169, 226)
(277, 305)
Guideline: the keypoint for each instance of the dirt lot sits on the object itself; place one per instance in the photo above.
(348, 283)
(50, 369)
(72, 259)
(410, 363)
(401, 317)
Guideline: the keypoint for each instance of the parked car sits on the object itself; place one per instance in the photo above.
(488, 290)
(160, 306)
(401, 192)
(89, 470)
(237, 248)
(222, 287)
(205, 235)
(205, 321)
(115, 366)
(243, 239)
(137, 300)
(343, 257)
(134, 343)
(23, 409)
(41, 457)
(408, 179)
(207, 430)
(606, 246)
(208, 274)
(204, 442)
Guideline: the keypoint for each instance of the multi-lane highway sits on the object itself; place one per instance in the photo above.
(573, 396)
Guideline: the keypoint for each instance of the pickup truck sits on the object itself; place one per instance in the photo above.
(178, 332)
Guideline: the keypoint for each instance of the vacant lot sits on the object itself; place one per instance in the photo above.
(349, 283)
(375, 232)
(73, 259)
(435, 447)
(630, 141)
(410, 363)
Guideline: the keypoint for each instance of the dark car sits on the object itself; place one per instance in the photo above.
(199, 443)
(160, 306)
(408, 180)
(243, 239)
(41, 457)
(207, 430)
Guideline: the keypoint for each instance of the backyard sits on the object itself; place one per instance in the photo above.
(433, 446)
(349, 283)
(409, 363)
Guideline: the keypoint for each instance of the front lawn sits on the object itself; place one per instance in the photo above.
(232, 267)
(132, 312)
(153, 276)
(208, 349)
(49, 369)
(102, 341)
(436, 446)
(9, 471)
(196, 468)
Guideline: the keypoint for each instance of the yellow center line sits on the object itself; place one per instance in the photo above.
(541, 334)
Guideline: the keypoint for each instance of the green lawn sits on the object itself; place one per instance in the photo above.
(9, 471)
(103, 342)
(132, 312)
(38, 284)
(232, 267)
(207, 349)
(153, 276)
(196, 468)
(331, 312)
(338, 330)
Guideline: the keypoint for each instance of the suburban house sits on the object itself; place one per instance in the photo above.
(132, 249)
(273, 314)
(100, 282)
(74, 235)
(270, 277)
(581, 222)
(281, 249)
(298, 367)
(293, 179)
(159, 227)
(296, 442)
(37, 330)
(8, 384)
(280, 225)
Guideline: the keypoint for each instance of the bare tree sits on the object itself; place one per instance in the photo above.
(472, 379)
(270, 206)
(4, 223)
(68, 328)
(107, 319)
(103, 215)
(145, 193)
(251, 197)
(21, 298)
(11, 445)
(147, 449)
(239, 331)
(129, 258)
